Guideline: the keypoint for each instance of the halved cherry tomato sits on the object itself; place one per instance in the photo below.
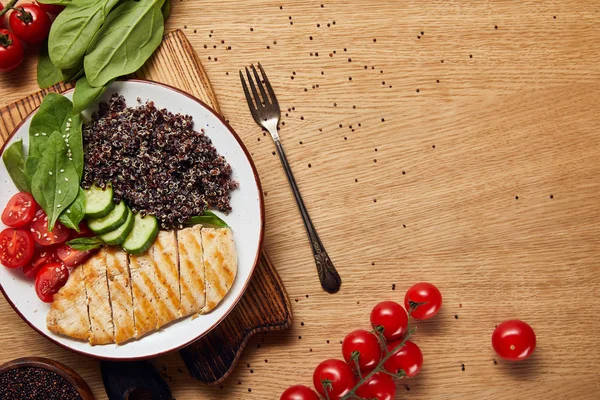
(39, 230)
(366, 346)
(514, 340)
(19, 211)
(42, 256)
(84, 231)
(423, 300)
(16, 247)
(380, 386)
(30, 23)
(71, 257)
(49, 280)
(11, 51)
(50, 8)
(392, 317)
(336, 375)
(408, 358)
(299, 392)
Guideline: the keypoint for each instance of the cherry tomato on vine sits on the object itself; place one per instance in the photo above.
(30, 23)
(392, 317)
(514, 340)
(49, 280)
(425, 298)
(16, 247)
(11, 51)
(19, 211)
(50, 8)
(299, 392)
(408, 358)
(380, 386)
(367, 346)
(336, 375)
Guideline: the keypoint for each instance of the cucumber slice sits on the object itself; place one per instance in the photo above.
(98, 203)
(111, 222)
(119, 235)
(142, 236)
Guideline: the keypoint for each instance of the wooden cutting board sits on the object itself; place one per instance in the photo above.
(265, 305)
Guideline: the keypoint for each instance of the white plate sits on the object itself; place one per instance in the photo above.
(246, 221)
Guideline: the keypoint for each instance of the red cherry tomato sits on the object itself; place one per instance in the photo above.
(366, 345)
(30, 23)
(84, 231)
(380, 386)
(50, 8)
(392, 317)
(49, 280)
(514, 340)
(19, 211)
(39, 230)
(425, 299)
(71, 257)
(41, 257)
(16, 247)
(336, 375)
(11, 51)
(408, 358)
(299, 392)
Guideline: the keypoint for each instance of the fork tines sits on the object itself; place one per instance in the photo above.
(263, 106)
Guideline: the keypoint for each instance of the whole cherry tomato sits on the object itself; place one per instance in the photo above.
(367, 347)
(299, 392)
(407, 358)
(52, 9)
(11, 51)
(380, 386)
(16, 247)
(514, 340)
(49, 280)
(392, 317)
(20, 210)
(30, 23)
(336, 376)
(423, 300)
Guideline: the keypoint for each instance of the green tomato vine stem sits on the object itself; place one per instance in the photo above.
(9, 6)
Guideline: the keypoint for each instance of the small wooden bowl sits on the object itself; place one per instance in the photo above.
(60, 369)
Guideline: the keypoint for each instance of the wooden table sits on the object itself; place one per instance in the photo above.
(441, 141)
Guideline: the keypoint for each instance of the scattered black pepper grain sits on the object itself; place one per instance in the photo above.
(456, 317)
(393, 286)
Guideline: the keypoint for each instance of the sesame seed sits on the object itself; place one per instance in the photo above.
(68, 211)
(49, 172)
(66, 179)
(36, 135)
(58, 206)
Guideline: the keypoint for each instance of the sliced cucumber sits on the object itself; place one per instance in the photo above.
(98, 203)
(142, 236)
(119, 235)
(111, 222)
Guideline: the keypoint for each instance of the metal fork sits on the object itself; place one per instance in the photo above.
(265, 111)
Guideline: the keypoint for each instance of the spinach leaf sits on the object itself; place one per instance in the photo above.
(74, 29)
(74, 214)
(51, 116)
(70, 74)
(85, 94)
(127, 39)
(30, 167)
(73, 135)
(55, 184)
(15, 165)
(85, 244)
(166, 10)
(208, 219)
(47, 73)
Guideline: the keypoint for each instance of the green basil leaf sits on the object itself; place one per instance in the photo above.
(74, 29)
(15, 165)
(208, 219)
(127, 39)
(47, 73)
(55, 184)
(50, 117)
(73, 215)
(30, 167)
(85, 94)
(85, 244)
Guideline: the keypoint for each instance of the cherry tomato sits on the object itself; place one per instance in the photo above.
(84, 231)
(39, 230)
(11, 51)
(425, 298)
(514, 340)
(41, 257)
(408, 358)
(71, 257)
(299, 392)
(52, 9)
(380, 386)
(16, 247)
(30, 23)
(367, 346)
(49, 280)
(19, 211)
(392, 317)
(336, 375)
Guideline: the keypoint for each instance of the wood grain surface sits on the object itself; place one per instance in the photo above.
(517, 119)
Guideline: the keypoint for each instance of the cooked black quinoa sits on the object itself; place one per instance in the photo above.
(34, 383)
(155, 161)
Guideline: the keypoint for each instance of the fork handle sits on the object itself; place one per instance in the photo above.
(328, 275)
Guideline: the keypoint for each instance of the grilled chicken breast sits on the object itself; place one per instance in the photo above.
(220, 264)
(69, 313)
(144, 294)
(119, 285)
(100, 312)
(166, 278)
(191, 270)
